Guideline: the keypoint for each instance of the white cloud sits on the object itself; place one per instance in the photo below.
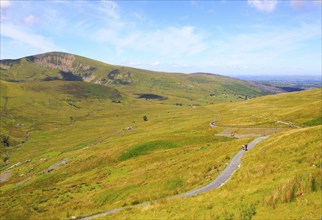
(263, 5)
(5, 4)
(156, 63)
(108, 27)
(174, 41)
(34, 40)
(110, 8)
(31, 20)
(170, 41)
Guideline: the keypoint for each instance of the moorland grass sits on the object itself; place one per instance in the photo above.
(174, 152)
(269, 185)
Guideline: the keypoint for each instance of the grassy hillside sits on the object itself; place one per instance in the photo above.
(299, 108)
(186, 89)
(28, 107)
(279, 179)
(74, 150)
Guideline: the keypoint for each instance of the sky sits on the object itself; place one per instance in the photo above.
(227, 37)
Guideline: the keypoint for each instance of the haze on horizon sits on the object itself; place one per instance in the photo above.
(254, 37)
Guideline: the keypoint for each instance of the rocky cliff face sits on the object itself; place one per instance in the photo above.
(48, 66)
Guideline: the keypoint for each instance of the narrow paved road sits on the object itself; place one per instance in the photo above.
(224, 175)
(218, 182)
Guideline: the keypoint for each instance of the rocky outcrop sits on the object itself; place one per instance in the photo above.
(61, 61)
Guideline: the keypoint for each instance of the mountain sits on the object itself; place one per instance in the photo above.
(198, 88)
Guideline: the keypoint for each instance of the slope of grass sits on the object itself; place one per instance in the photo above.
(175, 151)
(27, 107)
(298, 108)
(269, 185)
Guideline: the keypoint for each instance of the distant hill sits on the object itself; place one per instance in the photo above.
(197, 87)
(287, 82)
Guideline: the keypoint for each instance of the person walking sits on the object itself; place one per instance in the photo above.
(246, 147)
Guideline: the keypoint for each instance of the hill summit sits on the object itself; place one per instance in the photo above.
(200, 87)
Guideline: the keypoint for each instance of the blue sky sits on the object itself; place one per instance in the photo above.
(228, 37)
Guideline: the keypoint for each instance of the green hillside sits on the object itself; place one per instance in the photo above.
(75, 148)
(32, 106)
(186, 89)
(279, 179)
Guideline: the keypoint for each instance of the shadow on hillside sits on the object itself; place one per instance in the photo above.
(69, 76)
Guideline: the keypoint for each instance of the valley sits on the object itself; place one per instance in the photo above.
(82, 137)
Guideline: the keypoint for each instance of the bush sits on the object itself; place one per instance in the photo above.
(247, 211)
(5, 141)
(5, 159)
(135, 202)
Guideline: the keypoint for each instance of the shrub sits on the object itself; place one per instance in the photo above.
(135, 202)
(247, 211)
(5, 159)
(5, 141)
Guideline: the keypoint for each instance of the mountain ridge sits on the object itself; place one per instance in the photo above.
(66, 66)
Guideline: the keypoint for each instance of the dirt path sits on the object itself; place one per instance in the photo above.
(235, 131)
(290, 125)
(217, 183)
(25, 180)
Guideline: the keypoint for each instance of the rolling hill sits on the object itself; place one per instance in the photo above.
(179, 88)
(80, 145)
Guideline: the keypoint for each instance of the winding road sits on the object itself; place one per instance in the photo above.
(224, 175)
(217, 183)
